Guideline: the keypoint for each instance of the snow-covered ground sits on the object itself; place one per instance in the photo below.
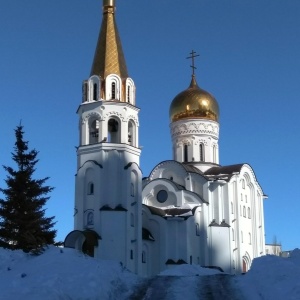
(68, 274)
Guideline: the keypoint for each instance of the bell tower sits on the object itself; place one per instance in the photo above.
(108, 179)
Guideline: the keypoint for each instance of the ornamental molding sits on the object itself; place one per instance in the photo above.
(195, 128)
(90, 115)
(134, 118)
(201, 141)
(112, 114)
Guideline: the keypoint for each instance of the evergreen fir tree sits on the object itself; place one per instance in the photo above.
(23, 224)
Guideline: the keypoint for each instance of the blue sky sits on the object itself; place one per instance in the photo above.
(249, 60)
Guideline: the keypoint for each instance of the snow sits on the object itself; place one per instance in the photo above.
(68, 274)
(189, 270)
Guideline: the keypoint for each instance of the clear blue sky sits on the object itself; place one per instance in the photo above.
(249, 60)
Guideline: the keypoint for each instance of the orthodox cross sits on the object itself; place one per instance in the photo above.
(193, 55)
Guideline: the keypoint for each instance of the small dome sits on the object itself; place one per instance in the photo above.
(194, 103)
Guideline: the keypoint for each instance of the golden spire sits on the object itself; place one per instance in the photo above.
(109, 57)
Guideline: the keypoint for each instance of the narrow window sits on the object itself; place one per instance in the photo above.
(231, 207)
(131, 254)
(185, 153)
(232, 232)
(243, 183)
(128, 94)
(241, 197)
(244, 211)
(249, 213)
(197, 229)
(214, 154)
(132, 190)
(113, 90)
(191, 260)
(242, 239)
(95, 91)
(143, 257)
(201, 149)
(90, 188)
(246, 200)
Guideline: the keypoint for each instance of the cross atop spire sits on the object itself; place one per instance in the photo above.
(192, 57)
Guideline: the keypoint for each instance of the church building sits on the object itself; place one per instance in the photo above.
(189, 210)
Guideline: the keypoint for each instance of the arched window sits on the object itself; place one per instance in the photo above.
(244, 211)
(113, 90)
(197, 229)
(94, 132)
(90, 219)
(128, 94)
(214, 154)
(232, 232)
(241, 197)
(95, 91)
(91, 188)
(249, 213)
(131, 254)
(201, 150)
(113, 131)
(131, 133)
(185, 153)
(143, 257)
(243, 183)
(93, 88)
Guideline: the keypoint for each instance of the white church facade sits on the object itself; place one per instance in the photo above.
(189, 210)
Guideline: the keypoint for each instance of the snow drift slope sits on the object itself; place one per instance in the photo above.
(67, 274)
(61, 274)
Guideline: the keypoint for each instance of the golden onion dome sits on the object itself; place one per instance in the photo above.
(194, 103)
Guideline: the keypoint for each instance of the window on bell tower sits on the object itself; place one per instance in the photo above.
(95, 91)
(113, 131)
(128, 94)
(113, 90)
(94, 132)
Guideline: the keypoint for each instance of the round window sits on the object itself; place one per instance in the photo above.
(162, 196)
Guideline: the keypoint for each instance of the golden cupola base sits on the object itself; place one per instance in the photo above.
(194, 103)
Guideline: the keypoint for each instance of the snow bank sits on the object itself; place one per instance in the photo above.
(273, 277)
(188, 270)
(66, 274)
(61, 274)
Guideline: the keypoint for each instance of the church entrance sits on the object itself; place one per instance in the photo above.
(84, 241)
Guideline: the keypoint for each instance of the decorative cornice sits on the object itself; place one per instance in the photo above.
(208, 128)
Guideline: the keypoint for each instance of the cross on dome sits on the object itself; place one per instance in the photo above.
(192, 57)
